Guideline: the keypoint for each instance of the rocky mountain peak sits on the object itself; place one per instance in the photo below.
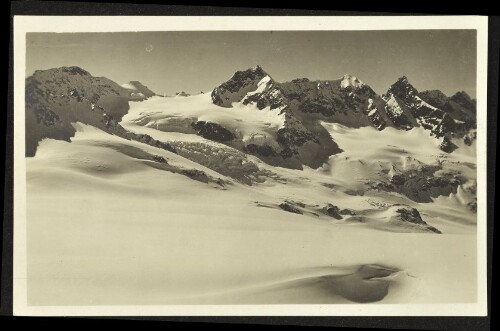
(57, 97)
(434, 97)
(239, 85)
(72, 70)
(403, 79)
(403, 90)
(253, 73)
(464, 100)
(258, 70)
(350, 81)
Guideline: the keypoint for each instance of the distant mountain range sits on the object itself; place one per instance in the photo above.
(55, 98)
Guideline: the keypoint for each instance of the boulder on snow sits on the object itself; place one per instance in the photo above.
(332, 211)
(411, 216)
(347, 212)
(447, 146)
(287, 206)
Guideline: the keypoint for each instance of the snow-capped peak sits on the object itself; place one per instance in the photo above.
(349, 80)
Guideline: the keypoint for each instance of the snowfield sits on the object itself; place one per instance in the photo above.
(113, 222)
(176, 114)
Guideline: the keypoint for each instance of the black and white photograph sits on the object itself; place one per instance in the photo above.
(232, 166)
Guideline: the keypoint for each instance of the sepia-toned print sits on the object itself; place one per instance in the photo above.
(276, 167)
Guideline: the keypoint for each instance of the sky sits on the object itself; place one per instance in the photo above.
(191, 61)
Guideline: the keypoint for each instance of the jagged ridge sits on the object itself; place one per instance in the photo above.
(350, 102)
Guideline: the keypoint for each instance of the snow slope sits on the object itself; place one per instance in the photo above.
(172, 114)
(251, 194)
(106, 227)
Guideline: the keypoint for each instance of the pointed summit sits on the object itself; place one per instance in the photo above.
(403, 90)
(239, 85)
(463, 99)
(258, 69)
(255, 72)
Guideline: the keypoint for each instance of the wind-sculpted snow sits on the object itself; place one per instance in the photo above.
(268, 193)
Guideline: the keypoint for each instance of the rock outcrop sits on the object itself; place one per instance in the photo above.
(411, 216)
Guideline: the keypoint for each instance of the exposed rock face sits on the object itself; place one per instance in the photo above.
(460, 107)
(237, 87)
(347, 101)
(426, 115)
(349, 212)
(434, 97)
(212, 131)
(398, 112)
(300, 140)
(465, 101)
(447, 146)
(444, 117)
(410, 215)
(57, 97)
(421, 184)
(286, 206)
(332, 211)
(470, 137)
(138, 91)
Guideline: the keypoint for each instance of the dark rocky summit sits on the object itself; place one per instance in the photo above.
(55, 98)
(58, 97)
(301, 140)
